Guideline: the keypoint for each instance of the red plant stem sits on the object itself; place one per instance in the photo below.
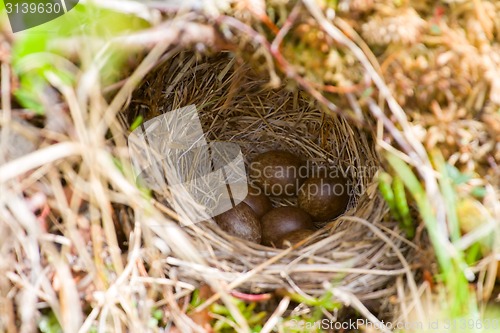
(287, 68)
(250, 297)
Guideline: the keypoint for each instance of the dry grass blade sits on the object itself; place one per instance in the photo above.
(38, 158)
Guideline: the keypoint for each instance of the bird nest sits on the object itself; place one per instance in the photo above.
(360, 251)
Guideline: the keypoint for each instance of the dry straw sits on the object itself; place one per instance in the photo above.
(358, 252)
(90, 201)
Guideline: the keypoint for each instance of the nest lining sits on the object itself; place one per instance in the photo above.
(236, 105)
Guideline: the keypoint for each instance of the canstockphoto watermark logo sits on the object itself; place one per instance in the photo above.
(25, 14)
(171, 154)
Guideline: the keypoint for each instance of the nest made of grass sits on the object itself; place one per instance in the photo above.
(360, 251)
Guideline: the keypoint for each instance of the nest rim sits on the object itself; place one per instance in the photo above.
(346, 251)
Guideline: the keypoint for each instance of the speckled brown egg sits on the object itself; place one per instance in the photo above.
(241, 222)
(255, 198)
(281, 221)
(277, 172)
(258, 201)
(324, 198)
(294, 237)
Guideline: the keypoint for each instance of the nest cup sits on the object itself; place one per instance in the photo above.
(355, 251)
